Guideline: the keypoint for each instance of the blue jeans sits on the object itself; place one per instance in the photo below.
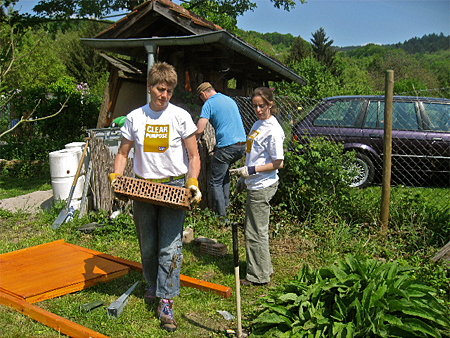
(220, 177)
(160, 233)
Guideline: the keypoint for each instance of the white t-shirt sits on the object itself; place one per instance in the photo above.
(159, 151)
(264, 145)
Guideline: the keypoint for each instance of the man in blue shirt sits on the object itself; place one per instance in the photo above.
(223, 114)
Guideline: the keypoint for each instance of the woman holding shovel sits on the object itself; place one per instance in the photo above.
(264, 156)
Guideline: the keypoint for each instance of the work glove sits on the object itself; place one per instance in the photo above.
(240, 185)
(196, 195)
(243, 171)
(112, 178)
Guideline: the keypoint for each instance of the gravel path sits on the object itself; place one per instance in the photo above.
(29, 203)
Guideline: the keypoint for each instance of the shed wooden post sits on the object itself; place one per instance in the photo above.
(387, 152)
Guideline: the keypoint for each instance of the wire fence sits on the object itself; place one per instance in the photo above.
(420, 135)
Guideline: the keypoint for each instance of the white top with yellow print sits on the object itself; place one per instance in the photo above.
(159, 151)
(264, 145)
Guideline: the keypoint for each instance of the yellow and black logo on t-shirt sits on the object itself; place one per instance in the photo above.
(251, 137)
(156, 138)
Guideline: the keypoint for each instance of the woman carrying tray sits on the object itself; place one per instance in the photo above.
(165, 152)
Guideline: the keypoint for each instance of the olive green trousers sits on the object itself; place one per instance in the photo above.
(257, 214)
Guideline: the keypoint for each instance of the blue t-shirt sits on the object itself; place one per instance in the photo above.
(223, 113)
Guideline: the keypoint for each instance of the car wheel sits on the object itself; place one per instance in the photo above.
(362, 172)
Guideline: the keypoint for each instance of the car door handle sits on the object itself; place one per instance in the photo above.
(375, 135)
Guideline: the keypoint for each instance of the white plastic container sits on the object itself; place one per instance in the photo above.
(79, 147)
(63, 167)
(63, 163)
(61, 188)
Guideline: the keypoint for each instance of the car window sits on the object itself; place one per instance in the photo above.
(439, 115)
(340, 114)
(375, 113)
(404, 116)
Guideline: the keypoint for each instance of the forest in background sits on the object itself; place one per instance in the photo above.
(418, 63)
(38, 58)
(47, 52)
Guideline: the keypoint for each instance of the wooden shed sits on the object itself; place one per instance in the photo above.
(159, 30)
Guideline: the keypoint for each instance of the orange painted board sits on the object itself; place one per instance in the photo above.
(53, 269)
(220, 290)
(223, 291)
(49, 319)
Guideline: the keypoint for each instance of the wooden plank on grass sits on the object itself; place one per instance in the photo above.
(54, 269)
(220, 290)
(443, 254)
(49, 319)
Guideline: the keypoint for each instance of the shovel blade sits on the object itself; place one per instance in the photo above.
(60, 219)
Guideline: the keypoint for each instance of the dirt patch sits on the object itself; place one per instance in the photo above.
(30, 203)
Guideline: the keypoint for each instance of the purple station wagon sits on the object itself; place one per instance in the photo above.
(420, 133)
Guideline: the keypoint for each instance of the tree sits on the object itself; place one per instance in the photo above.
(83, 63)
(405, 67)
(353, 78)
(322, 50)
(300, 49)
(221, 12)
(64, 9)
(321, 83)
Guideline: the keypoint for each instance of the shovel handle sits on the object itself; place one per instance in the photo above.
(234, 229)
(77, 174)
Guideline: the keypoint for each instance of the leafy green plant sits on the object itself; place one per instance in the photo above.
(425, 220)
(313, 178)
(356, 297)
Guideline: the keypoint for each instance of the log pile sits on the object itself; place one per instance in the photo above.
(102, 165)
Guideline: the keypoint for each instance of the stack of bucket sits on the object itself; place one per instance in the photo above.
(63, 168)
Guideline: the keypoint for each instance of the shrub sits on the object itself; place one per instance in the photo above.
(356, 297)
(32, 141)
(313, 179)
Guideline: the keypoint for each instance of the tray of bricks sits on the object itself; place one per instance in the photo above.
(151, 192)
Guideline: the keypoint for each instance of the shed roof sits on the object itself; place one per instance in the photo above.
(158, 18)
(163, 24)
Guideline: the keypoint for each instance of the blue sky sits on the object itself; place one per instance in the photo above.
(350, 22)
(347, 22)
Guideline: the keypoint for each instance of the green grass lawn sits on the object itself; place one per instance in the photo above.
(12, 187)
(293, 243)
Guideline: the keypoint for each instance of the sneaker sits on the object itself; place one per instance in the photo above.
(150, 294)
(165, 314)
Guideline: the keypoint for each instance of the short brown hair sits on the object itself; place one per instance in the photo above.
(162, 72)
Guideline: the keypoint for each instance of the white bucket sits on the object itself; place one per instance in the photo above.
(63, 163)
(61, 187)
(79, 147)
(63, 167)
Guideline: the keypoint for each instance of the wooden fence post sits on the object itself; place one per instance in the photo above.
(387, 151)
